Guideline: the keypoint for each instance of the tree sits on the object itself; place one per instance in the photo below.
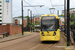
(72, 21)
(37, 23)
(29, 23)
(61, 15)
(72, 17)
(19, 16)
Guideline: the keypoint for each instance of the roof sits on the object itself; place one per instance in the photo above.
(72, 8)
(50, 15)
(69, 9)
(19, 18)
(62, 17)
(24, 17)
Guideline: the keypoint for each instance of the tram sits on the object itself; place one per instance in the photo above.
(49, 30)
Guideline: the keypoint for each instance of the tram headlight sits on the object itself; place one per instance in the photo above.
(54, 34)
(43, 34)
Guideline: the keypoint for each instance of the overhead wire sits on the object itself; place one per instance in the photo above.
(31, 5)
(51, 3)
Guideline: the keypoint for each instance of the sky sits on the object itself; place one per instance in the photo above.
(43, 10)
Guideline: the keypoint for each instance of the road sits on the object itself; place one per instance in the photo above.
(32, 43)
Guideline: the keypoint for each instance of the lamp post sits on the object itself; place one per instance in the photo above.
(28, 18)
(34, 6)
(68, 23)
(28, 12)
(33, 19)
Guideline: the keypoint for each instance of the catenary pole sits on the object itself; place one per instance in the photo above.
(64, 16)
(31, 19)
(68, 23)
(28, 18)
(22, 16)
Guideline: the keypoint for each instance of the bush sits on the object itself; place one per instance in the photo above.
(72, 21)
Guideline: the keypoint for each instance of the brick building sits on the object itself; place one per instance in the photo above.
(35, 19)
(18, 20)
(72, 10)
(61, 20)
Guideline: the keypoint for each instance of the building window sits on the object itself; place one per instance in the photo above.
(0, 13)
(0, 20)
(37, 19)
(0, 17)
(0, 5)
(18, 22)
(25, 21)
(0, 9)
(0, 2)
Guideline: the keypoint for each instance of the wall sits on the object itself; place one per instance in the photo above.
(12, 29)
(3, 28)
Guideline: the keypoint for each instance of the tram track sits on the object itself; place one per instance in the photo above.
(50, 46)
(32, 43)
(21, 41)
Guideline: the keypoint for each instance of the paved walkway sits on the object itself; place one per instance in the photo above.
(15, 36)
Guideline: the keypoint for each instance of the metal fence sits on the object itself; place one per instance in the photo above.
(73, 34)
(26, 28)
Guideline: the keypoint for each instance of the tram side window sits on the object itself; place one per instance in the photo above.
(57, 23)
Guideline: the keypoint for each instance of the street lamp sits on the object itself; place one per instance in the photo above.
(34, 6)
(28, 18)
(52, 9)
(28, 12)
(33, 20)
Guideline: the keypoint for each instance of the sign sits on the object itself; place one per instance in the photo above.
(7, 0)
(45, 18)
